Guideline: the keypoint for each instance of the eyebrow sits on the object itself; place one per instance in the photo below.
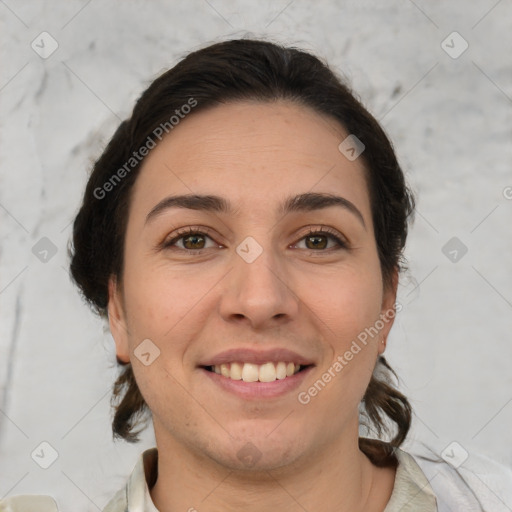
(300, 203)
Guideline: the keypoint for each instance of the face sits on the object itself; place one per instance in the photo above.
(251, 277)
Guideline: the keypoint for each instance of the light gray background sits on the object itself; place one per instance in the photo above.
(449, 118)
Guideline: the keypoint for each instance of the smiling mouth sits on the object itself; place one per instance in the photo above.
(250, 372)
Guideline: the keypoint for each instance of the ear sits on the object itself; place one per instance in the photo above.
(117, 320)
(388, 310)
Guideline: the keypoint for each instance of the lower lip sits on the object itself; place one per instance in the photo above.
(258, 390)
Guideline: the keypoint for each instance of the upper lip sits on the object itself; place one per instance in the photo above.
(247, 355)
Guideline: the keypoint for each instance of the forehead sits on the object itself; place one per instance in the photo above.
(256, 153)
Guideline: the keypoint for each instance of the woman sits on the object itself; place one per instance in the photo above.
(243, 234)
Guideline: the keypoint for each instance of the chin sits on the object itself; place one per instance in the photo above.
(250, 459)
(258, 451)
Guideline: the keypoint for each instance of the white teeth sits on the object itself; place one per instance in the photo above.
(224, 370)
(250, 372)
(281, 370)
(235, 372)
(267, 372)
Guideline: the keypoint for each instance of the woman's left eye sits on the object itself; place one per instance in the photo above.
(316, 240)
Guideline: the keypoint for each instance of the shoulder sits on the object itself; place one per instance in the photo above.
(135, 496)
(462, 480)
(118, 503)
(24, 503)
(28, 502)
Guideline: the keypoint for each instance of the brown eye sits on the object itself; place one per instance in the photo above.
(316, 242)
(193, 241)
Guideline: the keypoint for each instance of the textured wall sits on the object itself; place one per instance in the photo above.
(448, 111)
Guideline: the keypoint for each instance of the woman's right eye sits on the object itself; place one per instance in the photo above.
(190, 240)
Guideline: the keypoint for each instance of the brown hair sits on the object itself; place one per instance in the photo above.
(243, 69)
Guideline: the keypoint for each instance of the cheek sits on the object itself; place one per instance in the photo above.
(347, 301)
(156, 300)
(170, 309)
(348, 309)
(161, 313)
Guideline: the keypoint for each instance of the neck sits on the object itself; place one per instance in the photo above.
(339, 478)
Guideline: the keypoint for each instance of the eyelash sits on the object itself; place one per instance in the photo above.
(203, 231)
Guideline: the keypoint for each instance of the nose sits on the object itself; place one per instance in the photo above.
(259, 293)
